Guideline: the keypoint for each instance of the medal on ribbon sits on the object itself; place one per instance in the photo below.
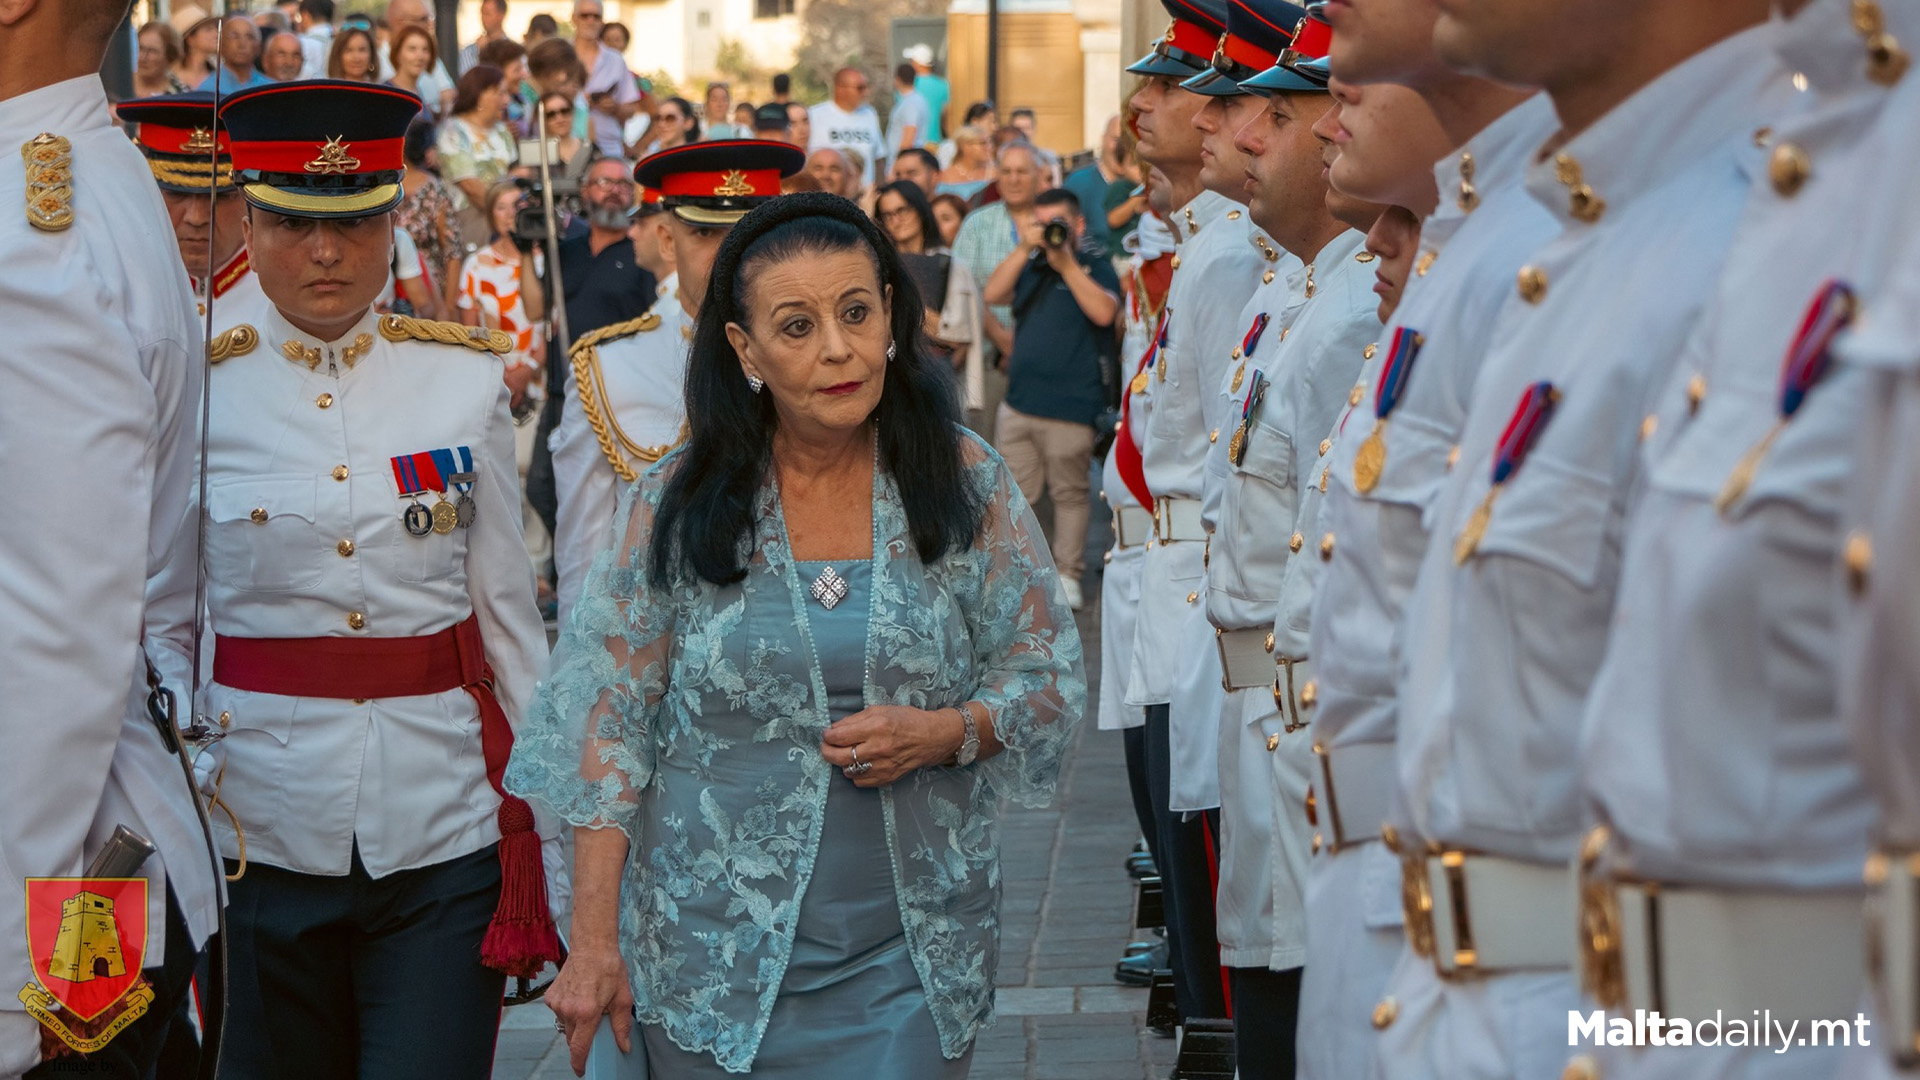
(462, 481)
(1160, 345)
(1529, 420)
(1806, 362)
(1372, 456)
(415, 475)
(1139, 384)
(445, 515)
(1249, 408)
(1245, 352)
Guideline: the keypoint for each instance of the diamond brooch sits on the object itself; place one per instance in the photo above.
(829, 588)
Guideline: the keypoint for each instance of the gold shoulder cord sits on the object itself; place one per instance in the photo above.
(238, 341)
(590, 384)
(479, 339)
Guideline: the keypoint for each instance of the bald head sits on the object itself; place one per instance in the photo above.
(402, 12)
(849, 88)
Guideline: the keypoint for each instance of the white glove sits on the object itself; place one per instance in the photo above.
(208, 762)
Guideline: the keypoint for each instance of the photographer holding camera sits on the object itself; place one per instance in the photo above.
(1064, 300)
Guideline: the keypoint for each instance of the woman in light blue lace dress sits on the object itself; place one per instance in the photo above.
(827, 642)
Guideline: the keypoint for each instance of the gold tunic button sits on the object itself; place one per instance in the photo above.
(1453, 457)
(1858, 556)
(1356, 394)
(1370, 351)
(1266, 278)
(356, 621)
(339, 472)
(1273, 743)
(1325, 445)
(1533, 284)
(1268, 643)
(344, 547)
(325, 401)
(1385, 1013)
(1192, 596)
(1176, 262)
(1214, 435)
(1233, 215)
(226, 719)
(1789, 169)
(1236, 353)
(1296, 541)
(1581, 1068)
(259, 515)
(1309, 693)
(1696, 392)
(1107, 559)
(1648, 425)
(1425, 263)
(1390, 836)
(1326, 547)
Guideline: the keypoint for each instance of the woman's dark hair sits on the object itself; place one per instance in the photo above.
(475, 81)
(917, 202)
(420, 138)
(686, 114)
(337, 56)
(977, 110)
(705, 522)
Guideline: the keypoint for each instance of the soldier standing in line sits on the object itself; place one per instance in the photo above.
(372, 652)
(102, 373)
(626, 399)
(1414, 395)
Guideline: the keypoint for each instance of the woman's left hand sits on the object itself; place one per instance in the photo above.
(894, 739)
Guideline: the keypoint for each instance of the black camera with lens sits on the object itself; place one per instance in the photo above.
(530, 216)
(1057, 234)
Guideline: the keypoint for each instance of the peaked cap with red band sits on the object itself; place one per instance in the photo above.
(1187, 47)
(1303, 67)
(1258, 31)
(718, 182)
(181, 138)
(322, 148)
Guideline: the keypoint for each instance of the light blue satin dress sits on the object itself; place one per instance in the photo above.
(851, 1004)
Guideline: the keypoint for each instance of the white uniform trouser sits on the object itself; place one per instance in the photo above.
(1353, 941)
(1497, 1027)
(1244, 901)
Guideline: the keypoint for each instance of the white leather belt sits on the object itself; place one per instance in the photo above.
(1177, 519)
(1246, 657)
(1132, 526)
(1356, 788)
(1893, 951)
(1475, 914)
(1695, 952)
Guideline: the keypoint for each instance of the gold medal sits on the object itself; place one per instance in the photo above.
(445, 517)
(1239, 373)
(1741, 478)
(1237, 446)
(1371, 458)
(1160, 367)
(1139, 384)
(1469, 539)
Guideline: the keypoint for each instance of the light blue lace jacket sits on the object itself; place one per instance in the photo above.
(663, 719)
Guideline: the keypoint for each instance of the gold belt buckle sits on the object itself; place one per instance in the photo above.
(1162, 519)
(1602, 966)
(1453, 865)
(1285, 696)
(1416, 897)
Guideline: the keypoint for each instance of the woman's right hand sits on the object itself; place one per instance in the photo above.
(592, 983)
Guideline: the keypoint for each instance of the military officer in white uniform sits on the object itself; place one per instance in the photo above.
(626, 396)
(1216, 269)
(187, 151)
(1514, 598)
(1716, 764)
(102, 380)
(1471, 246)
(375, 629)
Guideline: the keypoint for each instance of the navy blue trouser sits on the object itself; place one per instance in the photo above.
(1187, 861)
(363, 978)
(1266, 1009)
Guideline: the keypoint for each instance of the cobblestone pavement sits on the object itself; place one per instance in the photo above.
(1066, 913)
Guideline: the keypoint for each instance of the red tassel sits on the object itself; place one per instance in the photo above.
(521, 939)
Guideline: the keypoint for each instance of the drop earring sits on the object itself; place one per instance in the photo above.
(754, 383)
(892, 347)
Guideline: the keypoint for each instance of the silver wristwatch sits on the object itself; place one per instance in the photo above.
(969, 739)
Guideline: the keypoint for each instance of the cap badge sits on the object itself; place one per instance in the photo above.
(734, 182)
(199, 141)
(334, 158)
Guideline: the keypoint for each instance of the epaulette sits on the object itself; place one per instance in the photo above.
(49, 161)
(590, 385)
(228, 344)
(618, 330)
(477, 338)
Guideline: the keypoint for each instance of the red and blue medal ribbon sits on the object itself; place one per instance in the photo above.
(1806, 363)
(1529, 420)
(1252, 340)
(1811, 353)
(417, 473)
(1393, 375)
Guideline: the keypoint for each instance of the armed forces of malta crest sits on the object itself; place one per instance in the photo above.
(88, 939)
